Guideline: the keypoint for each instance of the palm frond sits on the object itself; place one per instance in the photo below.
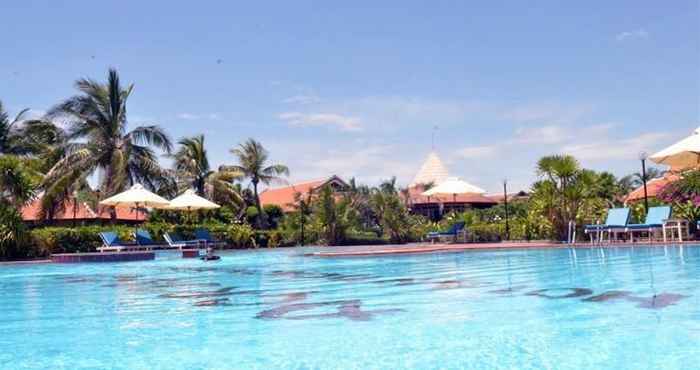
(151, 135)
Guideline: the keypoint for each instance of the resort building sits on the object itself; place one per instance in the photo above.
(432, 173)
(286, 197)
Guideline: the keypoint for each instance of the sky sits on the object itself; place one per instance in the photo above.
(357, 88)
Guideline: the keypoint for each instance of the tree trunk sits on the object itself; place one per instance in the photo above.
(261, 220)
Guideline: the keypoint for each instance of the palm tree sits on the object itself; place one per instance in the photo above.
(22, 136)
(564, 190)
(8, 134)
(16, 181)
(252, 163)
(16, 189)
(193, 171)
(636, 179)
(100, 141)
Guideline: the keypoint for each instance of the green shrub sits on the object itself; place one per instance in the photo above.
(50, 240)
(486, 232)
(13, 232)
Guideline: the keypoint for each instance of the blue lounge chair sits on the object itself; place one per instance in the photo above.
(111, 242)
(654, 221)
(615, 222)
(205, 236)
(143, 238)
(175, 240)
(452, 232)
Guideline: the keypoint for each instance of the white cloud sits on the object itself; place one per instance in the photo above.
(603, 149)
(542, 135)
(631, 35)
(483, 151)
(344, 123)
(546, 113)
(194, 117)
(302, 99)
(370, 164)
(188, 116)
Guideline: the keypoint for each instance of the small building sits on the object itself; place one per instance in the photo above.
(432, 173)
(286, 197)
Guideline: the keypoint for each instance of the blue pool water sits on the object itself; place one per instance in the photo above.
(613, 308)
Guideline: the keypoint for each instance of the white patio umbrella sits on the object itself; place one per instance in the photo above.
(454, 186)
(681, 155)
(137, 197)
(190, 201)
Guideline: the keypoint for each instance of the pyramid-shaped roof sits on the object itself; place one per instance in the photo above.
(432, 171)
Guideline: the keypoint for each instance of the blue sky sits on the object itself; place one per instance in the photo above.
(354, 88)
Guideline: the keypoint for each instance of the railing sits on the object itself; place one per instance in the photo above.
(571, 233)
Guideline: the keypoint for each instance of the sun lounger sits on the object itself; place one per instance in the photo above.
(615, 222)
(143, 238)
(175, 241)
(454, 230)
(205, 236)
(655, 219)
(111, 242)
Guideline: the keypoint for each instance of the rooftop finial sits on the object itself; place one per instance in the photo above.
(432, 138)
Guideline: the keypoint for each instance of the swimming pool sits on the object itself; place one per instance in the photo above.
(508, 309)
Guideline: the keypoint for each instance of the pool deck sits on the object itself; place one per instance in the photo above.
(103, 257)
(369, 251)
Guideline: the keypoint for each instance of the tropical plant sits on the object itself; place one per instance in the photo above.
(17, 182)
(253, 164)
(635, 180)
(687, 188)
(333, 215)
(16, 188)
(9, 136)
(565, 193)
(684, 194)
(192, 170)
(391, 212)
(97, 120)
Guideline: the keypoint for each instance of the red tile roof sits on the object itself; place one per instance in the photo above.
(498, 198)
(653, 188)
(31, 212)
(285, 196)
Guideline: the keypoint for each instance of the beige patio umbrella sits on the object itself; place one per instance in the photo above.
(190, 201)
(454, 186)
(137, 197)
(684, 154)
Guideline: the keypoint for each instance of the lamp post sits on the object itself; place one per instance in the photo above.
(505, 204)
(643, 158)
(302, 211)
(75, 206)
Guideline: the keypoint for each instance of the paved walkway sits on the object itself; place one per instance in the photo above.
(368, 251)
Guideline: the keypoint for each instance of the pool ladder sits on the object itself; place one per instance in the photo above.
(571, 233)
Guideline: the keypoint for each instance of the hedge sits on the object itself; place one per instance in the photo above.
(45, 241)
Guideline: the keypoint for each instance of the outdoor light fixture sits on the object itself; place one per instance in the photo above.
(643, 157)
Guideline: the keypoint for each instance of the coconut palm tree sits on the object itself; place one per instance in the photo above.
(253, 164)
(97, 120)
(22, 136)
(192, 170)
(9, 138)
